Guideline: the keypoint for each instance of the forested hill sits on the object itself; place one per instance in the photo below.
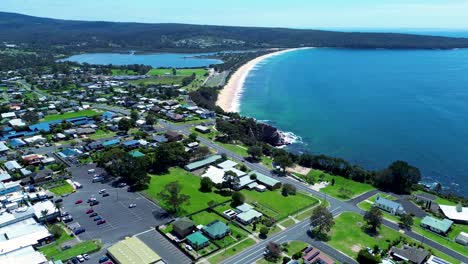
(45, 33)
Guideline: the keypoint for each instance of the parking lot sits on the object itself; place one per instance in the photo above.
(121, 221)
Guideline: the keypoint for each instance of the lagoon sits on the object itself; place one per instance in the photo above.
(176, 60)
(370, 107)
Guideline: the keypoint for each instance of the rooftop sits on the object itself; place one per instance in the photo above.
(456, 213)
(216, 228)
(443, 225)
(202, 163)
(133, 250)
(197, 238)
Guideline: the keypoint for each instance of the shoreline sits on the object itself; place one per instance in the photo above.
(229, 96)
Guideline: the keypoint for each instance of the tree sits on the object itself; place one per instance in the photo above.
(373, 218)
(150, 119)
(365, 257)
(264, 232)
(193, 137)
(237, 199)
(322, 220)
(206, 184)
(30, 117)
(172, 196)
(174, 71)
(283, 160)
(168, 155)
(56, 231)
(406, 221)
(230, 180)
(399, 177)
(134, 115)
(211, 204)
(273, 251)
(255, 152)
(125, 124)
(288, 189)
(333, 182)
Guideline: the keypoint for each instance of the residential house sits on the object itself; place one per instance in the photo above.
(12, 166)
(457, 213)
(4, 176)
(173, 136)
(436, 225)
(216, 229)
(197, 240)
(390, 206)
(110, 143)
(32, 159)
(9, 187)
(246, 214)
(410, 254)
(3, 148)
(203, 129)
(131, 144)
(183, 227)
(264, 180)
(436, 260)
(462, 238)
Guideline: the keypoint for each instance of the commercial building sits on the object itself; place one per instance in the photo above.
(202, 163)
(132, 250)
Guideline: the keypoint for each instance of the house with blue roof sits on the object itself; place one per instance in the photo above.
(389, 206)
(17, 143)
(110, 143)
(66, 153)
(131, 144)
(108, 115)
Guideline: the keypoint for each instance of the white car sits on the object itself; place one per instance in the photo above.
(131, 205)
(102, 191)
(188, 247)
(86, 256)
(80, 258)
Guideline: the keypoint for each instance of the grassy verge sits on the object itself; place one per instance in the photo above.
(239, 150)
(231, 251)
(190, 185)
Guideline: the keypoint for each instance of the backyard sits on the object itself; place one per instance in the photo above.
(274, 204)
(62, 189)
(190, 185)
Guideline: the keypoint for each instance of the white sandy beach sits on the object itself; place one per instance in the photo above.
(229, 97)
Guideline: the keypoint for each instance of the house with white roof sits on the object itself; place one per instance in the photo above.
(9, 115)
(456, 213)
(17, 122)
(3, 147)
(12, 165)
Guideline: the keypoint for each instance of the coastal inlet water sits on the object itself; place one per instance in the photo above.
(177, 60)
(370, 107)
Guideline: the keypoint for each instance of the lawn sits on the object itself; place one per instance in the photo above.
(348, 236)
(190, 185)
(296, 246)
(267, 162)
(62, 189)
(287, 223)
(231, 251)
(123, 72)
(179, 72)
(70, 115)
(354, 188)
(53, 250)
(102, 134)
(439, 200)
(273, 204)
(209, 136)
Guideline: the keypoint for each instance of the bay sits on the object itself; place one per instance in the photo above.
(370, 107)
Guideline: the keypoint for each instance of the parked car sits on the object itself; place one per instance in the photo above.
(91, 171)
(105, 194)
(64, 214)
(122, 184)
(79, 202)
(86, 256)
(79, 230)
(59, 200)
(90, 199)
(97, 218)
(98, 179)
(67, 219)
(131, 205)
(188, 247)
(93, 215)
(103, 259)
(100, 222)
(93, 203)
(74, 260)
(90, 211)
(80, 258)
(102, 191)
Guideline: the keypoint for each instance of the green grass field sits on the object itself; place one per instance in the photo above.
(348, 236)
(62, 189)
(123, 72)
(190, 185)
(239, 150)
(439, 200)
(296, 246)
(102, 134)
(273, 204)
(355, 188)
(70, 115)
(179, 72)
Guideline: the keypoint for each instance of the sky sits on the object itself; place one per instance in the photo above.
(372, 14)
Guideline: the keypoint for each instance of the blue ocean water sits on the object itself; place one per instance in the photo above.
(155, 60)
(370, 107)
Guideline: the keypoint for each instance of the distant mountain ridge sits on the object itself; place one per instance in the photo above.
(47, 33)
